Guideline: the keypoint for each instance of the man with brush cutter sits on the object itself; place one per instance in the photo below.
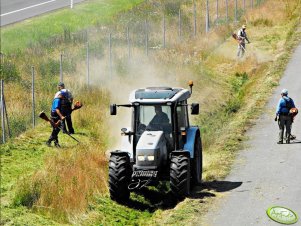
(57, 118)
(241, 38)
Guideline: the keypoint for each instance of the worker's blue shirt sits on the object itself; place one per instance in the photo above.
(56, 104)
(282, 105)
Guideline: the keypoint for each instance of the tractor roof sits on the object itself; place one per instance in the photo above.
(156, 95)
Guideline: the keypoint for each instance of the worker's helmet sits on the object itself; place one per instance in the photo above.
(284, 92)
(61, 84)
(244, 26)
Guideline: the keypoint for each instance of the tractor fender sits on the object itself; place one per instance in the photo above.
(190, 139)
(119, 153)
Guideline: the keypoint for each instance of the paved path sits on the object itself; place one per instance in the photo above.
(270, 173)
(17, 10)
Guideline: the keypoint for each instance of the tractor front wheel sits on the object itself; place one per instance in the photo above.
(180, 175)
(119, 177)
(197, 161)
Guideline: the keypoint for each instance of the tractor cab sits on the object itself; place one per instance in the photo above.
(160, 129)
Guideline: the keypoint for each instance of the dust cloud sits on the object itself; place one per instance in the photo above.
(127, 75)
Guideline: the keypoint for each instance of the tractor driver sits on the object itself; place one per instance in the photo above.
(160, 121)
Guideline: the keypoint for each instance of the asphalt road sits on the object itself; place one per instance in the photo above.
(13, 11)
(270, 173)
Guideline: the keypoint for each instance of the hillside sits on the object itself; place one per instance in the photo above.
(43, 185)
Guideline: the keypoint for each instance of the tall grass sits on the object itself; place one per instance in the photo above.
(71, 177)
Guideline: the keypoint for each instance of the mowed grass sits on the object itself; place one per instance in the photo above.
(84, 15)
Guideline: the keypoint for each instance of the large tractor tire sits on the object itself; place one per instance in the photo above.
(119, 177)
(180, 175)
(197, 162)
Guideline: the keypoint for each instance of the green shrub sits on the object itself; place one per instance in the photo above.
(19, 124)
(9, 71)
(50, 68)
(27, 193)
(238, 81)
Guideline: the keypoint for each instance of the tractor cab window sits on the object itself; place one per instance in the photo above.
(182, 115)
(154, 118)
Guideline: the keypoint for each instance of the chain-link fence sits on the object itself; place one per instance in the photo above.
(162, 25)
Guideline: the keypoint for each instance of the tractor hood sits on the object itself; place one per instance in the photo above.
(151, 150)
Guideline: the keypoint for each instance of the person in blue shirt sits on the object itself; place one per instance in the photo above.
(284, 118)
(56, 115)
(66, 108)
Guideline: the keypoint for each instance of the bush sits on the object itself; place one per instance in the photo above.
(27, 193)
(9, 71)
(50, 67)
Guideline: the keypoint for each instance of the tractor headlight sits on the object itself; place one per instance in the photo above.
(141, 158)
(151, 157)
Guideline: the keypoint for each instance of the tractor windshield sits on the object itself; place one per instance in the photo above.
(154, 118)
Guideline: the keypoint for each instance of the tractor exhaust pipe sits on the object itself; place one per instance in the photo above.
(190, 83)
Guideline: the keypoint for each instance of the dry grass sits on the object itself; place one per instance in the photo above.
(69, 180)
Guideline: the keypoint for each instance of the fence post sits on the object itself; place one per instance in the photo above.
(180, 24)
(71, 4)
(227, 11)
(110, 54)
(6, 116)
(1, 58)
(207, 17)
(88, 65)
(128, 41)
(2, 112)
(194, 18)
(252, 4)
(217, 11)
(146, 37)
(61, 67)
(33, 98)
(235, 19)
(164, 32)
(244, 4)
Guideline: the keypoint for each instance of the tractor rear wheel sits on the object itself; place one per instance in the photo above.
(197, 162)
(180, 176)
(119, 177)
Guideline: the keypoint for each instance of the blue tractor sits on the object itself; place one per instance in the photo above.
(160, 145)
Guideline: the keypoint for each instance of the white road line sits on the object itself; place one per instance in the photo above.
(4, 14)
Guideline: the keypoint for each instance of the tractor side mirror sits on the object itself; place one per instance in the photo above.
(195, 108)
(113, 109)
(125, 132)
